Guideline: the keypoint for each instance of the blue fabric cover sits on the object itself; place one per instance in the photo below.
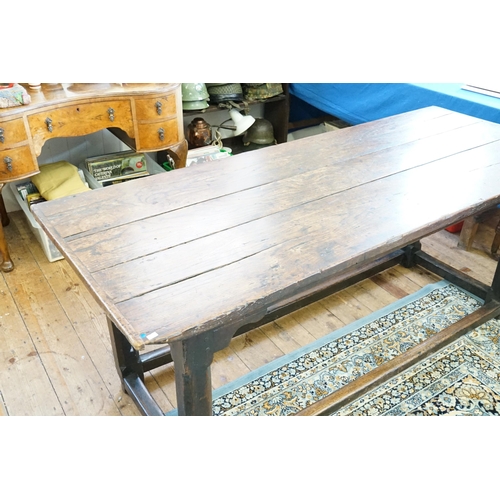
(362, 102)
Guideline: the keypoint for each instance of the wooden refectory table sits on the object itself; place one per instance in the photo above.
(183, 260)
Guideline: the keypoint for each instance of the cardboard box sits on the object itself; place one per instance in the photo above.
(152, 169)
(21, 189)
(112, 166)
(49, 249)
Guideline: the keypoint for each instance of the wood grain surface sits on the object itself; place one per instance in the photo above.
(193, 249)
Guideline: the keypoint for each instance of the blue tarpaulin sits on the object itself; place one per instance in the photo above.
(362, 102)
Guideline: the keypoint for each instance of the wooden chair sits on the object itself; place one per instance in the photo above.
(469, 230)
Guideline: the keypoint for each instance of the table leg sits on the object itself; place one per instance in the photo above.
(496, 240)
(6, 265)
(192, 359)
(413, 255)
(494, 291)
(130, 369)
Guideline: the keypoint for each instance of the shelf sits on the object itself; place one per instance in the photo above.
(275, 109)
(215, 107)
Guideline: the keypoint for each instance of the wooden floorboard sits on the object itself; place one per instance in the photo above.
(55, 353)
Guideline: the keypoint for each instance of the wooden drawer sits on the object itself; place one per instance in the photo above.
(12, 132)
(153, 136)
(156, 108)
(20, 162)
(80, 119)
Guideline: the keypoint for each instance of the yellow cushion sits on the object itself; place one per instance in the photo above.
(57, 180)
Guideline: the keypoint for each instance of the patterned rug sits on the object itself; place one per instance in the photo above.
(461, 379)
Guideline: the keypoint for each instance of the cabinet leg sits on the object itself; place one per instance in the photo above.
(4, 217)
(7, 265)
(178, 154)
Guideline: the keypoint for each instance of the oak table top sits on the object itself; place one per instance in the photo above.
(203, 250)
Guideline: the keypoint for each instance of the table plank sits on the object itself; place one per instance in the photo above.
(256, 168)
(231, 243)
(101, 250)
(373, 220)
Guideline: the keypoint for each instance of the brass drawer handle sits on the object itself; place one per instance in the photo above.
(2, 137)
(48, 122)
(161, 134)
(158, 107)
(111, 113)
(8, 162)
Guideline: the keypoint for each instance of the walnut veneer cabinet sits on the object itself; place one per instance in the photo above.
(147, 117)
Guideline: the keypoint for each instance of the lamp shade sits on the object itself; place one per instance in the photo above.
(242, 122)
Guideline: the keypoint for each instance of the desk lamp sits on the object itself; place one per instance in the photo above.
(241, 123)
